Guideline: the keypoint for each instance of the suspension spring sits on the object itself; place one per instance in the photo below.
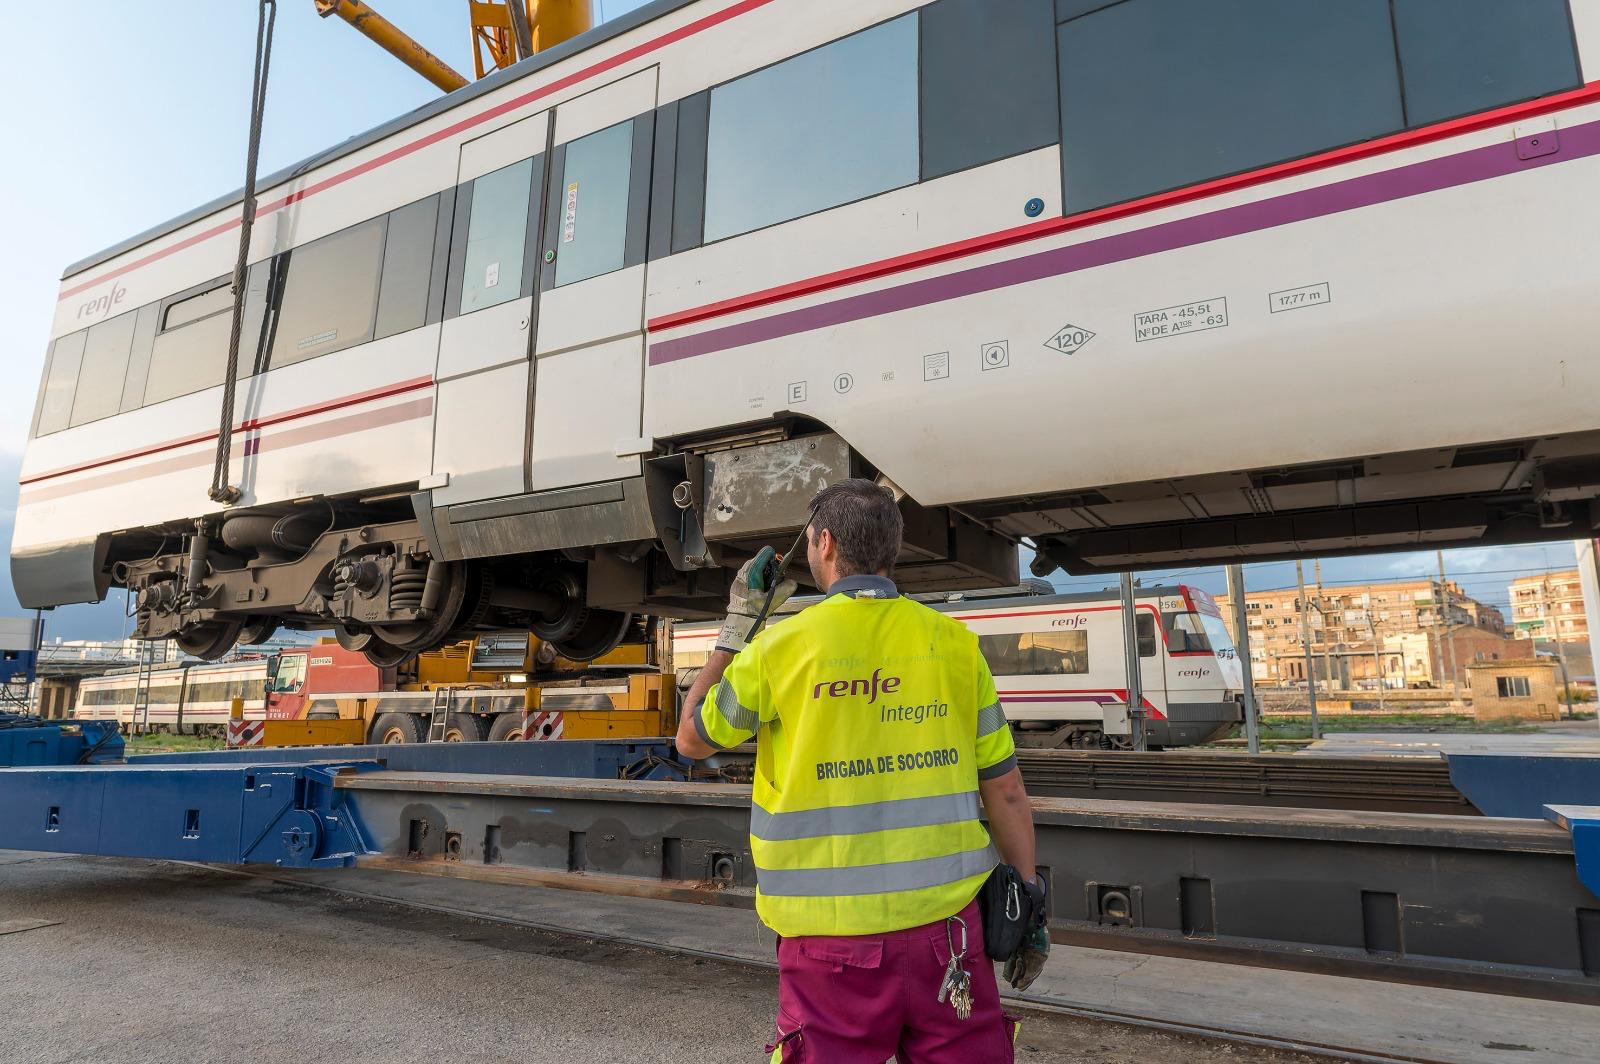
(405, 589)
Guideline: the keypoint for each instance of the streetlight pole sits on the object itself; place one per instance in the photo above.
(1241, 625)
(1130, 640)
(1444, 632)
(1305, 645)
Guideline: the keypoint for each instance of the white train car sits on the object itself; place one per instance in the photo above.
(569, 343)
(1058, 662)
(192, 698)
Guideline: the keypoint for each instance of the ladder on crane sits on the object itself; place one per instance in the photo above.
(139, 717)
(439, 720)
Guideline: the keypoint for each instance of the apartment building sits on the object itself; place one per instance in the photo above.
(1402, 633)
(1550, 606)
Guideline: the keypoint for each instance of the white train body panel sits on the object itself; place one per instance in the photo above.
(205, 694)
(1191, 690)
(1449, 270)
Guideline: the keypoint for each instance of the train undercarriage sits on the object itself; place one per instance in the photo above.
(393, 575)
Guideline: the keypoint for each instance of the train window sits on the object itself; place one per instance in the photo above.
(1460, 56)
(988, 75)
(591, 238)
(60, 383)
(329, 294)
(190, 352)
(497, 233)
(1186, 633)
(830, 126)
(212, 301)
(1157, 94)
(1145, 631)
(407, 268)
(105, 369)
(188, 359)
(144, 337)
(1036, 653)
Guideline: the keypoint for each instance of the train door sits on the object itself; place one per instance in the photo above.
(485, 371)
(589, 364)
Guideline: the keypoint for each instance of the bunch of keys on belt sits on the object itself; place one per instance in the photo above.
(957, 985)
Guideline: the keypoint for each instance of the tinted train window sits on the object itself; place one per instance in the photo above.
(330, 294)
(407, 266)
(1460, 56)
(1036, 653)
(592, 236)
(105, 369)
(831, 126)
(497, 233)
(60, 382)
(1157, 94)
(188, 357)
(1145, 631)
(193, 308)
(988, 82)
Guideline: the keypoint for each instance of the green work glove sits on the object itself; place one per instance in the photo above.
(1026, 964)
(745, 604)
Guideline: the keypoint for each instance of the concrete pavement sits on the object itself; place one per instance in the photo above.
(128, 962)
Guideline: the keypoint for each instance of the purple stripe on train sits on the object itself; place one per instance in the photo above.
(1416, 179)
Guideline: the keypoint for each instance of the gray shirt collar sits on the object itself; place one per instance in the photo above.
(865, 586)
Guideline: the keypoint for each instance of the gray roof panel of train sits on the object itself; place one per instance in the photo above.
(500, 78)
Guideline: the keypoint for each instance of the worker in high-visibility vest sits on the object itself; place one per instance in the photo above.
(878, 734)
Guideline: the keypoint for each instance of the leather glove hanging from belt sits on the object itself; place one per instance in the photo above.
(1024, 966)
(750, 603)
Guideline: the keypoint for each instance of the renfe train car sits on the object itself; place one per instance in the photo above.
(1058, 662)
(570, 343)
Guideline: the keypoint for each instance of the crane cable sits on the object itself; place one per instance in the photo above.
(221, 491)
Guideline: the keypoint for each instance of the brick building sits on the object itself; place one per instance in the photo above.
(1518, 687)
(1403, 633)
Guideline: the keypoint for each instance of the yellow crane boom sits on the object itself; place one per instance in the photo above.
(503, 32)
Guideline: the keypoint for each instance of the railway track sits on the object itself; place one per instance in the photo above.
(1399, 785)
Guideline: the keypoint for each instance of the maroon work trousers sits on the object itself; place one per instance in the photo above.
(861, 999)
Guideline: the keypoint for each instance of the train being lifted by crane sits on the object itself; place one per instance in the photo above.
(568, 344)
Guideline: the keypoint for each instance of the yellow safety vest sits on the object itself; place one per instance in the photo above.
(877, 717)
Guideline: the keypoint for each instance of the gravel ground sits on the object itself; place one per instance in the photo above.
(153, 962)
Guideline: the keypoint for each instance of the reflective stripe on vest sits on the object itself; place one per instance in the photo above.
(878, 878)
(860, 819)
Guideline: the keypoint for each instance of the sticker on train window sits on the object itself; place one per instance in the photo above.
(569, 224)
(491, 275)
(318, 340)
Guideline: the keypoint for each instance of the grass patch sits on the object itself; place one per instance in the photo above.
(170, 744)
(1298, 726)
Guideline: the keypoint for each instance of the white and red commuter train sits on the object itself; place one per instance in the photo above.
(568, 344)
(1058, 661)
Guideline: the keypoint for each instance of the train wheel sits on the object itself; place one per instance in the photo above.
(385, 655)
(209, 641)
(507, 727)
(397, 728)
(464, 728)
(257, 630)
(600, 633)
(425, 635)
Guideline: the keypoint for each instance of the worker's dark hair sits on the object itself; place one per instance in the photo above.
(865, 522)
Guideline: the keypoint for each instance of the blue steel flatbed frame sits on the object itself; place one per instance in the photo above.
(1502, 904)
(65, 790)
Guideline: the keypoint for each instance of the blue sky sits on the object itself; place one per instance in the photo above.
(122, 115)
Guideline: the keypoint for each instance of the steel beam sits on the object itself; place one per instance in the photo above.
(1470, 902)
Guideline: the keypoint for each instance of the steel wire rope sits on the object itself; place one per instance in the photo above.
(266, 19)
